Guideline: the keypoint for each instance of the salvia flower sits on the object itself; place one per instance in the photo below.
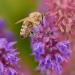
(8, 58)
(4, 33)
(2, 24)
(64, 10)
(49, 52)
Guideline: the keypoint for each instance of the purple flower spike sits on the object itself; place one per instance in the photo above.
(48, 51)
(2, 24)
(8, 58)
(4, 33)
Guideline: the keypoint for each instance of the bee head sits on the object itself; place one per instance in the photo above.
(36, 16)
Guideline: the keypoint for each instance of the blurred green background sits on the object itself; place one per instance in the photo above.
(12, 11)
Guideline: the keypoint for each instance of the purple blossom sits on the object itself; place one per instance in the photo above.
(8, 58)
(4, 33)
(2, 24)
(49, 52)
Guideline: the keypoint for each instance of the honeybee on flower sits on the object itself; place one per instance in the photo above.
(33, 20)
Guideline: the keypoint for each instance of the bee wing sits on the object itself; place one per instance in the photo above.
(20, 21)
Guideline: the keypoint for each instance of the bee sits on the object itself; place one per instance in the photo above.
(33, 20)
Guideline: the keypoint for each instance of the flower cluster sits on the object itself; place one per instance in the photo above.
(8, 54)
(4, 32)
(8, 57)
(49, 51)
(64, 10)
